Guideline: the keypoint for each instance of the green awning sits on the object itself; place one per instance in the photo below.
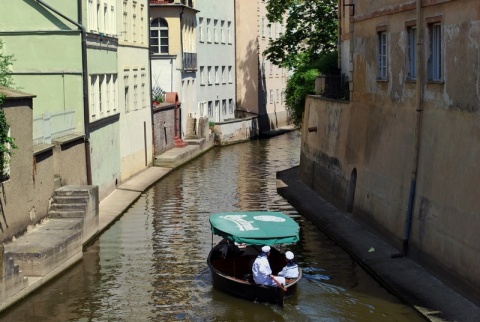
(255, 227)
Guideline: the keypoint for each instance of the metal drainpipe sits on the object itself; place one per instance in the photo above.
(418, 127)
(181, 37)
(152, 120)
(85, 81)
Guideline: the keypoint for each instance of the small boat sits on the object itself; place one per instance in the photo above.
(244, 234)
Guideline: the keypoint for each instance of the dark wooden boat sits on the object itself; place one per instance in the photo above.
(232, 270)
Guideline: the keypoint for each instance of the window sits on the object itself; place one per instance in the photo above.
(202, 108)
(126, 94)
(113, 21)
(114, 92)
(159, 36)
(435, 59)
(135, 90)
(200, 29)
(93, 98)
(276, 31)
(209, 38)
(217, 107)
(411, 53)
(271, 68)
(263, 27)
(105, 17)
(230, 106)
(271, 96)
(125, 21)
(229, 32)
(143, 93)
(222, 31)
(202, 76)
(210, 109)
(278, 96)
(230, 74)
(215, 35)
(224, 107)
(270, 31)
(108, 94)
(209, 76)
(382, 55)
(142, 25)
(100, 97)
(134, 21)
(217, 77)
(223, 75)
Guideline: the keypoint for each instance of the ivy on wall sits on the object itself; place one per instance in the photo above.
(6, 141)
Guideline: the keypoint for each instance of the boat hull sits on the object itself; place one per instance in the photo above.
(240, 284)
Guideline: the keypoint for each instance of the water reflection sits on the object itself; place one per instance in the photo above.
(151, 264)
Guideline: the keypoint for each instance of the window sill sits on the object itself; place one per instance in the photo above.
(431, 81)
(382, 80)
(410, 80)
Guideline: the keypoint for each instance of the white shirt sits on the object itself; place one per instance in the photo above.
(261, 270)
(289, 271)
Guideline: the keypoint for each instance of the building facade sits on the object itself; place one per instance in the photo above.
(216, 60)
(402, 153)
(174, 55)
(260, 84)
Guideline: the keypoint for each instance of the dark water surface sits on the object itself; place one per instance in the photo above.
(151, 264)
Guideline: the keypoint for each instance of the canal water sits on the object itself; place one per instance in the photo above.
(150, 265)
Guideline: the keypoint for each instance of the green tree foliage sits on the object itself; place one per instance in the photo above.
(302, 82)
(311, 29)
(307, 47)
(6, 141)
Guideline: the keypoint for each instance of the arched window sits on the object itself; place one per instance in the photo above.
(159, 36)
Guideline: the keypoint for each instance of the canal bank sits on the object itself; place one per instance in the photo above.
(59, 237)
(402, 276)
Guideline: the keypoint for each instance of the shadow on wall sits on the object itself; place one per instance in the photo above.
(253, 80)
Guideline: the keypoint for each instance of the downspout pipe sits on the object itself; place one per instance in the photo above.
(151, 84)
(86, 115)
(418, 126)
(181, 38)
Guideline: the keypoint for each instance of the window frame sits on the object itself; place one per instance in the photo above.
(435, 59)
(411, 52)
(382, 53)
(158, 29)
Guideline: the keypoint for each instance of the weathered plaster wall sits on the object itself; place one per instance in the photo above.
(18, 211)
(375, 135)
(163, 128)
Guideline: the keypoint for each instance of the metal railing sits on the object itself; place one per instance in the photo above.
(51, 126)
(333, 86)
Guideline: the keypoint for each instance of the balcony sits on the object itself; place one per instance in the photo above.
(188, 3)
(333, 86)
(189, 61)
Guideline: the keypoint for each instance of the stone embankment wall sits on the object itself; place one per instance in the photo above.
(359, 156)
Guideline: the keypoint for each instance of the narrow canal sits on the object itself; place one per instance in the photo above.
(150, 265)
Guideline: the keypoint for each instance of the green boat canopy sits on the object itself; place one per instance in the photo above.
(255, 227)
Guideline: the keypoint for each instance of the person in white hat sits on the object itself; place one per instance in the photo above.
(262, 273)
(290, 271)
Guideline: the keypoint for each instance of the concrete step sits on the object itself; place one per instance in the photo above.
(46, 246)
(70, 199)
(57, 214)
(68, 207)
(73, 191)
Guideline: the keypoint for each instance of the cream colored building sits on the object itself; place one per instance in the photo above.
(403, 153)
(174, 53)
(260, 84)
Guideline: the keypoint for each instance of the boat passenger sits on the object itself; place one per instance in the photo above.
(290, 271)
(262, 273)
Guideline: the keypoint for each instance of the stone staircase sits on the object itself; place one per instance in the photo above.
(71, 223)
